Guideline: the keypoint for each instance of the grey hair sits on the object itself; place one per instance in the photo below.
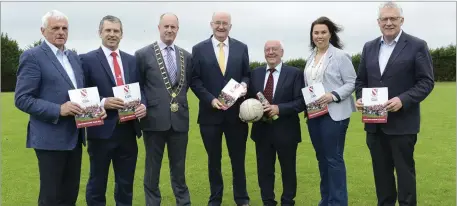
(390, 4)
(52, 14)
(109, 18)
(281, 45)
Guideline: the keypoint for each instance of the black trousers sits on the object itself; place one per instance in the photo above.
(60, 173)
(177, 148)
(266, 152)
(389, 152)
(122, 150)
(236, 137)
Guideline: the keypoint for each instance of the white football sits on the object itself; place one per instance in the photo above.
(251, 110)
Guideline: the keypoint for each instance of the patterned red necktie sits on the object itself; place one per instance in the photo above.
(268, 91)
(117, 70)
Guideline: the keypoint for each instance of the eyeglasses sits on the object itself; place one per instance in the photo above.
(219, 23)
(392, 19)
(274, 49)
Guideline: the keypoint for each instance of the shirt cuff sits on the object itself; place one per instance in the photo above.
(102, 103)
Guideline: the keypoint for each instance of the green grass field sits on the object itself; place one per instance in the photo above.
(435, 161)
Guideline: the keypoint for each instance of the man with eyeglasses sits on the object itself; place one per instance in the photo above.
(282, 86)
(403, 64)
(215, 61)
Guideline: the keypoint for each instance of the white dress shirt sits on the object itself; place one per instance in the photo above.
(216, 48)
(275, 77)
(109, 58)
(63, 59)
(385, 51)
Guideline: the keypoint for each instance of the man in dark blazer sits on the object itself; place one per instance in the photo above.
(165, 71)
(403, 64)
(46, 73)
(216, 61)
(281, 86)
(114, 141)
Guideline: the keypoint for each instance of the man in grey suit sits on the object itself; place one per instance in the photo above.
(165, 69)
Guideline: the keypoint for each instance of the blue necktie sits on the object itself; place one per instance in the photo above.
(171, 66)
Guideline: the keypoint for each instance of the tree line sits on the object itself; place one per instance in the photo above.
(443, 62)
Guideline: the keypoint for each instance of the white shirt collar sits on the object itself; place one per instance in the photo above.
(109, 51)
(278, 67)
(54, 48)
(162, 45)
(395, 40)
(216, 42)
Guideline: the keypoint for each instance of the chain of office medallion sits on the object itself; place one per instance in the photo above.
(165, 78)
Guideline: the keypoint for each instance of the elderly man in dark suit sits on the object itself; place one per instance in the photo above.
(215, 61)
(281, 85)
(114, 141)
(165, 71)
(46, 73)
(402, 63)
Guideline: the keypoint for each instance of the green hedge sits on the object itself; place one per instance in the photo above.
(443, 63)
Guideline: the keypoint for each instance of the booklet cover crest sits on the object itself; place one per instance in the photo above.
(131, 95)
(373, 100)
(311, 94)
(89, 101)
(230, 93)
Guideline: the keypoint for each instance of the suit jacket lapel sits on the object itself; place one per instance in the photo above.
(76, 70)
(327, 58)
(56, 63)
(281, 79)
(212, 55)
(398, 48)
(261, 80)
(101, 56)
(376, 56)
(178, 64)
(125, 66)
(230, 56)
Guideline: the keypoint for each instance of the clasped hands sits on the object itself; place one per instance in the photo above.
(392, 105)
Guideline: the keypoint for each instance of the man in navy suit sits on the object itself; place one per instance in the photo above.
(215, 61)
(281, 86)
(46, 73)
(114, 141)
(403, 64)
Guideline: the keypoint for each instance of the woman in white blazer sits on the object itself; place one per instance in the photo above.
(332, 67)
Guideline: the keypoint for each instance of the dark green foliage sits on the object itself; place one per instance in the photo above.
(443, 62)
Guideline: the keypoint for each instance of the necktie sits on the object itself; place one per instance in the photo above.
(268, 91)
(221, 58)
(117, 70)
(171, 65)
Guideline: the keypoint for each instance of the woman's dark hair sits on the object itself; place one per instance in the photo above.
(332, 28)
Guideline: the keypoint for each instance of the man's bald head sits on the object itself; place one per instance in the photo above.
(222, 15)
(169, 16)
(273, 52)
(168, 28)
(221, 24)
